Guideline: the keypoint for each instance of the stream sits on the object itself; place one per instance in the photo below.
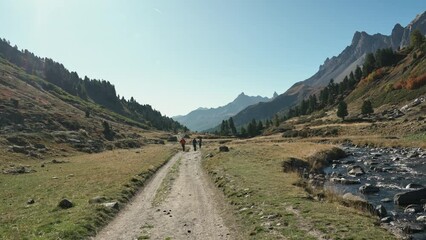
(389, 171)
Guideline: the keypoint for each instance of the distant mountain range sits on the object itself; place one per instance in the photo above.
(333, 68)
(205, 118)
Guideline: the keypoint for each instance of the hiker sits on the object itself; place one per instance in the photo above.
(194, 143)
(199, 142)
(182, 142)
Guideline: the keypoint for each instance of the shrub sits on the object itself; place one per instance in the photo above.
(412, 83)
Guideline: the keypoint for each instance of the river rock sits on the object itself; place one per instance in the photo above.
(381, 211)
(414, 185)
(411, 228)
(412, 197)
(368, 189)
(345, 181)
(223, 149)
(112, 205)
(65, 203)
(413, 208)
(386, 219)
(353, 198)
(356, 171)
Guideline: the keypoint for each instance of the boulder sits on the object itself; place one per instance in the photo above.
(381, 211)
(356, 171)
(411, 197)
(411, 228)
(65, 203)
(386, 219)
(413, 208)
(414, 185)
(345, 181)
(112, 205)
(223, 149)
(368, 189)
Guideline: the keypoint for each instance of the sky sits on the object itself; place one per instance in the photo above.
(178, 56)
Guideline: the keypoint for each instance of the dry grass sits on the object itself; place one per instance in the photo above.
(114, 174)
(252, 179)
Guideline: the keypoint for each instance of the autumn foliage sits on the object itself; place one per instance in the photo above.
(411, 83)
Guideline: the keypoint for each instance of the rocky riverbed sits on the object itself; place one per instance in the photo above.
(392, 180)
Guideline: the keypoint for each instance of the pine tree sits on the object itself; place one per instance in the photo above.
(367, 107)
(342, 110)
(232, 126)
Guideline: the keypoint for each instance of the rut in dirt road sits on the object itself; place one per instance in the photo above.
(190, 211)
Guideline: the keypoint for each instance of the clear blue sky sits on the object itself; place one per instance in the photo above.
(181, 55)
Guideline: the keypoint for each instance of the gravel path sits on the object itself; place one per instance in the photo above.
(190, 211)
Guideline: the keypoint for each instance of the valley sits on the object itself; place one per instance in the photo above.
(339, 155)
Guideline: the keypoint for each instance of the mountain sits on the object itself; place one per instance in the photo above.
(45, 110)
(335, 68)
(100, 92)
(203, 118)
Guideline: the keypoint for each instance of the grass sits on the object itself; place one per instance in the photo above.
(261, 194)
(166, 185)
(114, 174)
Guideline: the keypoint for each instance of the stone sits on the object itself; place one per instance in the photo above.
(421, 218)
(345, 181)
(223, 149)
(411, 228)
(386, 219)
(381, 211)
(355, 171)
(411, 197)
(112, 205)
(65, 203)
(368, 189)
(414, 185)
(30, 201)
(413, 208)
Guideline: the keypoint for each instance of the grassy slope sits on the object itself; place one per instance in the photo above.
(113, 174)
(252, 179)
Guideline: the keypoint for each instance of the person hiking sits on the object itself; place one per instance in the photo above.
(199, 142)
(194, 143)
(182, 142)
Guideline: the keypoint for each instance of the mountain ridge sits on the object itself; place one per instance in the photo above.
(205, 118)
(335, 68)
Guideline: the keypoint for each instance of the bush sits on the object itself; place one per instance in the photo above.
(412, 83)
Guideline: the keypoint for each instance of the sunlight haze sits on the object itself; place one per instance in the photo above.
(178, 56)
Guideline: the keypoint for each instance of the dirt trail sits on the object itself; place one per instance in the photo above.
(190, 211)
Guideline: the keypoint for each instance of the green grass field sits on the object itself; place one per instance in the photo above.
(268, 205)
(114, 174)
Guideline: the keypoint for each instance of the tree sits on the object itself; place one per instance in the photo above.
(276, 120)
(369, 64)
(416, 39)
(232, 126)
(342, 110)
(243, 132)
(367, 107)
(358, 73)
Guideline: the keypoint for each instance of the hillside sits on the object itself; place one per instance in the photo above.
(100, 92)
(334, 68)
(203, 118)
(39, 119)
